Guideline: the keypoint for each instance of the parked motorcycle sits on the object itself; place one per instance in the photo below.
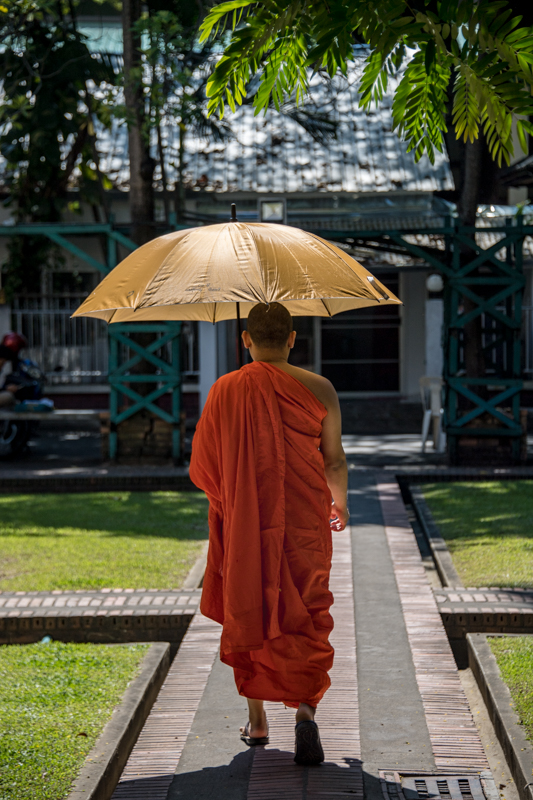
(30, 380)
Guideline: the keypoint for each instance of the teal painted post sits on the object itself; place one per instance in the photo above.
(113, 397)
(517, 332)
(176, 395)
(519, 267)
(111, 253)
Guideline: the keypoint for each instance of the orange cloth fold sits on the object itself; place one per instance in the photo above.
(256, 455)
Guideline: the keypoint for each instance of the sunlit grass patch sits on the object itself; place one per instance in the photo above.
(106, 539)
(488, 528)
(55, 699)
(514, 655)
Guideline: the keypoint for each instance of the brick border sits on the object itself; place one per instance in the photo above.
(96, 628)
(463, 474)
(61, 483)
(518, 750)
(102, 769)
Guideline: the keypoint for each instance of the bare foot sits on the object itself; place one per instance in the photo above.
(258, 727)
(305, 712)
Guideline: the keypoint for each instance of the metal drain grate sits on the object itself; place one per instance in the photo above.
(396, 786)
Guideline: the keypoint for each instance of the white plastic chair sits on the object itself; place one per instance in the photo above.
(431, 395)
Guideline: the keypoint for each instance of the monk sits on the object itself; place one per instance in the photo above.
(267, 452)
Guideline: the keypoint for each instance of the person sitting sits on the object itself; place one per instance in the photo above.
(8, 390)
(25, 381)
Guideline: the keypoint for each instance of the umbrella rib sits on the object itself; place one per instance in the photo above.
(252, 236)
(325, 306)
(325, 242)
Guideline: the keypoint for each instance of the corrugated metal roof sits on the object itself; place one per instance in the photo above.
(273, 153)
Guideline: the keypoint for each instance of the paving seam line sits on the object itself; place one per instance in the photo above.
(104, 764)
(454, 737)
(441, 555)
(517, 749)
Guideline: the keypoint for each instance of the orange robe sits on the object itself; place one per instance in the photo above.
(256, 455)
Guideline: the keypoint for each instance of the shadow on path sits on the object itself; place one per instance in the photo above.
(231, 781)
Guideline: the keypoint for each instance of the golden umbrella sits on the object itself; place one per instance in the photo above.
(219, 272)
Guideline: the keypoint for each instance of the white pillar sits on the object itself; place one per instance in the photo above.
(413, 295)
(207, 352)
(434, 322)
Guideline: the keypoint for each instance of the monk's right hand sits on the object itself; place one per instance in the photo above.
(338, 518)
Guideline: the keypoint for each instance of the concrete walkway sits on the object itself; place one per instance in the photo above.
(396, 703)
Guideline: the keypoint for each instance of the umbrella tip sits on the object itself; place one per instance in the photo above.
(233, 217)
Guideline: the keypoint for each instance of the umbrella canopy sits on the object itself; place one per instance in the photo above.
(220, 272)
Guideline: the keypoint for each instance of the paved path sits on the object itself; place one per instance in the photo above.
(396, 701)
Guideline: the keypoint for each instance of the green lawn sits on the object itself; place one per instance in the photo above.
(54, 701)
(514, 655)
(488, 528)
(127, 540)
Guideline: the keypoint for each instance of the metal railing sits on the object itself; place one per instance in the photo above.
(75, 351)
(69, 351)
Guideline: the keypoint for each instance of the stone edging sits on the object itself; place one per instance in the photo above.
(441, 555)
(103, 767)
(518, 750)
(196, 574)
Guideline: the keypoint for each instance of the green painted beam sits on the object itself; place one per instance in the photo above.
(77, 251)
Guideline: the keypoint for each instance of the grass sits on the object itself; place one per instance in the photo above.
(514, 655)
(127, 540)
(54, 701)
(488, 528)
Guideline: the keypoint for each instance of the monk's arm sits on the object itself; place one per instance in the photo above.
(335, 465)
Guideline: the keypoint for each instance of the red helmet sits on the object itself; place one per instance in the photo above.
(15, 342)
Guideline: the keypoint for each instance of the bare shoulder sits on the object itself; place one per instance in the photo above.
(320, 386)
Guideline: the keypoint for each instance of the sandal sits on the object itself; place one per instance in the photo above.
(308, 748)
(252, 741)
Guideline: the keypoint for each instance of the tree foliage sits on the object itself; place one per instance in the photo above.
(175, 74)
(47, 122)
(478, 48)
(49, 108)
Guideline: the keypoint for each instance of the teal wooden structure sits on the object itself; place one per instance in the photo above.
(125, 353)
(491, 278)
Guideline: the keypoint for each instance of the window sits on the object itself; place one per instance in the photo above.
(361, 348)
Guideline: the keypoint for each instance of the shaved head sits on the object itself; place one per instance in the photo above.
(269, 325)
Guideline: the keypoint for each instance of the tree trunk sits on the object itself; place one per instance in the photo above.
(473, 332)
(142, 165)
(180, 188)
(471, 182)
